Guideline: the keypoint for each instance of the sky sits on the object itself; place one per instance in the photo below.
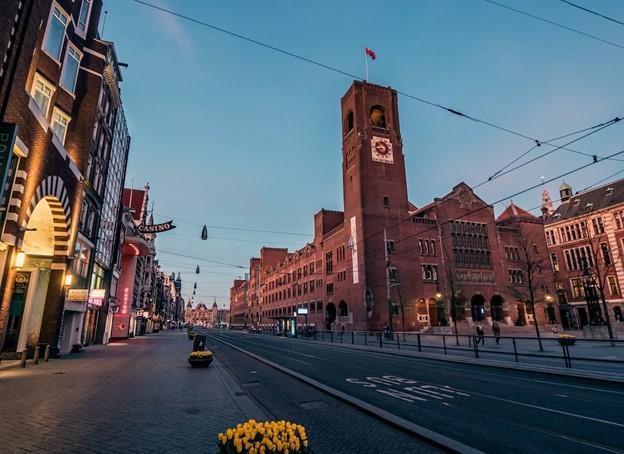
(234, 135)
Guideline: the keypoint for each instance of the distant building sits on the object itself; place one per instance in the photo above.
(585, 237)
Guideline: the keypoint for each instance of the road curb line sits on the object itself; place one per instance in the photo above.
(484, 362)
(420, 432)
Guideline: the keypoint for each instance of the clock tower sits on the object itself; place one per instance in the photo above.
(374, 189)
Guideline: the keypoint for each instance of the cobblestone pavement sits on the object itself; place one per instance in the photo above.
(139, 395)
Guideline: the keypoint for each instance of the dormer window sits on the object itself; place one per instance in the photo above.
(610, 191)
(577, 201)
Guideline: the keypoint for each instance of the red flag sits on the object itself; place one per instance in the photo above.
(371, 54)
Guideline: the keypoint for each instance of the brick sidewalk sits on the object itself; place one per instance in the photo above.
(139, 395)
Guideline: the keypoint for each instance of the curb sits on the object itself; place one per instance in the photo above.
(420, 432)
(483, 362)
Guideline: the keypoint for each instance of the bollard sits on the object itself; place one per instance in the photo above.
(331, 334)
(23, 356)
(366, 339)
(419, 348)
(380, 341)
(444, 342)
(513, 341)
(398, 345)
(36, 356)
(352, 338)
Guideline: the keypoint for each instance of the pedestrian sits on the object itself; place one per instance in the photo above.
(496, 331)
(480, 335)
(555, 329)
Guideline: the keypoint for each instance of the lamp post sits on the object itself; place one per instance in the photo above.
(398, 286)
(441, 309)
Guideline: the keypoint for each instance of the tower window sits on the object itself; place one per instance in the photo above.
(386, 202)
(378, 117)
(349, 122)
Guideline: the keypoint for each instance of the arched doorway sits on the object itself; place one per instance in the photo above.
(40, 264)
(330, 315)
(496, 308)
(477, 307)
(343, 310)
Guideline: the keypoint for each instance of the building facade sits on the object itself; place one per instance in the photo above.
(585, 237)
(383, 263)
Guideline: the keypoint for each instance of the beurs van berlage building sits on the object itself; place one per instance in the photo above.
(384, 261)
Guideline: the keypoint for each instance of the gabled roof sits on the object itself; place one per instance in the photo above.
(513, 211)
(583, 203)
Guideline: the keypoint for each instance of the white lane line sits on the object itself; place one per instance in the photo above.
(551, 410)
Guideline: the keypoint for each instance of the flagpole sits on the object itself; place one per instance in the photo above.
(366, 63)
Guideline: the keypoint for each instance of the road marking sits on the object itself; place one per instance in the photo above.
(394, 386)
(552, 410)
(561, 395)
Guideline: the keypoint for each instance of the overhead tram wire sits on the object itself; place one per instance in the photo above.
(596, 13)
(201, 258)
(346, 73)
(556, 24)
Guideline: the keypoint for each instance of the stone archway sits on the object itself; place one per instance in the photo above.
(330, 315)
(477, 307)
(36, 295)
(496, 308)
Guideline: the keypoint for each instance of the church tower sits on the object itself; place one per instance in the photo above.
(374, 190)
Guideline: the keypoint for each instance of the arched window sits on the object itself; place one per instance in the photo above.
(343, 310)
(349, 122)
(378, 116)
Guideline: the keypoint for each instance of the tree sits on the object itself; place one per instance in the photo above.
(524, 286)
(602, 262)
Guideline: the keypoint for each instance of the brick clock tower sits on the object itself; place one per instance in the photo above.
(375, 194)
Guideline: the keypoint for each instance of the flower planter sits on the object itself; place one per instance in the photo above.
(566, 341)
(200, 362)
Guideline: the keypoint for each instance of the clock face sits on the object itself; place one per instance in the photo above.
(381, 150)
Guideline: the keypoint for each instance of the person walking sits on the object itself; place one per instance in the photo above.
(480, 335)
(496, 331)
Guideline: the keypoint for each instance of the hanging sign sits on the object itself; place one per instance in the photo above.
(77, 294)
(156, 228)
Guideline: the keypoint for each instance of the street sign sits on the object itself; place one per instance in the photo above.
(156, 228)
(77, 294)
(302, 310)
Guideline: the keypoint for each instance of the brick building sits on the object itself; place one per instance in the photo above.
(585, 237)
(53, 66)
(384, 262)
(239, 307)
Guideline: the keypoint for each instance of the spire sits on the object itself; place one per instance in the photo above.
(547, 205)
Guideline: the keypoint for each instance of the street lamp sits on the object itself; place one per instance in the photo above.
(398, 286)
(593, 306)
(441, 310)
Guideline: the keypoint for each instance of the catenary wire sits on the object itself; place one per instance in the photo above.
(596, 13)
(556, 24)
(343, 72)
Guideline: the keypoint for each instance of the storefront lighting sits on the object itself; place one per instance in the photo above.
(68, 279)
(439, 295)
(20, 259)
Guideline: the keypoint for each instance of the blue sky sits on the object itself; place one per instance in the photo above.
(231, 134)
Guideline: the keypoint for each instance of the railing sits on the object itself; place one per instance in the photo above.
(552, 351)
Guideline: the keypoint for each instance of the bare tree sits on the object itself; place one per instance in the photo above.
(603, 261)
(525, 290)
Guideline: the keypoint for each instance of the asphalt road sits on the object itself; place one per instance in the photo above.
(493, 410)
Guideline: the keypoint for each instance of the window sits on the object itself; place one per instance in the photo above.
(330, 288)
(577, 257)
(42, 92)
(430, 273)
(613, 287)
(550, 238)
(55, 33)
(598, 226)
(604, 247)
(378, 117)
(393, 274)
(554, 261)
(578, 290)
(85, 12)
(386, 202)
(349, 122)
(390, 247)
(60, 121)
(619, 219)
(516, 277)
(329, 263)
(70, 69)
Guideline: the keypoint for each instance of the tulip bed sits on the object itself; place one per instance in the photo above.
(267, 437)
